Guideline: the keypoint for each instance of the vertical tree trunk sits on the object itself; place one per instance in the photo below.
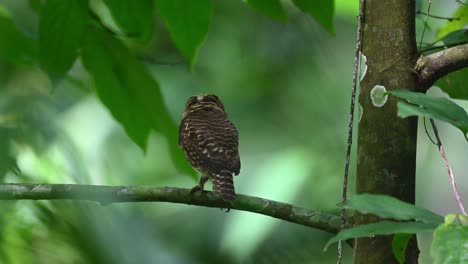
(386, 143)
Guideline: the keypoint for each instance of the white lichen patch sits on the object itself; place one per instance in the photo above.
(42, 188)
(362, 66)
(360, 112)
(379, 95)
(124, 192)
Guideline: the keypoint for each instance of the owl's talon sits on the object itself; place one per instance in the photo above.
(200, 186)
(196, 188)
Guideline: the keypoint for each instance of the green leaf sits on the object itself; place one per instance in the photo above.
(381, 228)
(131, 94)
(188, 23)
(15, 47)
(270, 8)
(456, 37)
(453, 25)
(390, 207)
(399, 244)
(450, 244)
(62, 29)
(455, 84)
(136, 18)
(113, 91)
(439, 108)
(321, 10)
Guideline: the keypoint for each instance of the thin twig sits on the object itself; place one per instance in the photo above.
(449, 169)
(351, 121)
(427, 132)
(425, 23)
(462, 3)
(123, 194)
(443, 46)
(450, 19)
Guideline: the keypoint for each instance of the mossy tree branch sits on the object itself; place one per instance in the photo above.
(436, 65)
(123, 194)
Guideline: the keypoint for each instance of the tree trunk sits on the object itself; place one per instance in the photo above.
(386, 143)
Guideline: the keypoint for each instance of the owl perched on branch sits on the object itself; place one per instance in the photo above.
(210, 143)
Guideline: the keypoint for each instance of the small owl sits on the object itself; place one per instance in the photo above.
(210, 143)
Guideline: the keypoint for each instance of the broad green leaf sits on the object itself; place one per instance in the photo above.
(15, 47)
(456, 37)
(390, 207)
(450, 244)
(382, 228)
(62, 29)
(136, 18)
(455, 84)
(321, 10)
(113, 91)
(438, 108)
(399, 244)
(406, 110)
(188, 23)
(128, 90)
(453, 25)
(270, 8)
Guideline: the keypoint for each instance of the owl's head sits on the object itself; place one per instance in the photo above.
(204, 102)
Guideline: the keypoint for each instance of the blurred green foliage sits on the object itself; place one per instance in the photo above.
(135, 18)
(461, 16)
(188, 23)
(451, 33)
(450, 239)
(454, 84)
(272, 9)
(285, 85)
(62, 29)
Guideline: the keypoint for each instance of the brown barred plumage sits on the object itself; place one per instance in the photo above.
(210, 143)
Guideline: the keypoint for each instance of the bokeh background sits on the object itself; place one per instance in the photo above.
(286, 86)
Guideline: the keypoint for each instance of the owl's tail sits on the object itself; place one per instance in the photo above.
(223, 186)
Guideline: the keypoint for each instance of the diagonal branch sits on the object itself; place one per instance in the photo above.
(123, 194)
(436, 65)
(449, 169)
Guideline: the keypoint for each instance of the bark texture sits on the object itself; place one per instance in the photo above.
(432, 67)
(386, 143)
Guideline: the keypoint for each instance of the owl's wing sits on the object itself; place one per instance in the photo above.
(181, 131)
(235, 159)
(225, 153)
